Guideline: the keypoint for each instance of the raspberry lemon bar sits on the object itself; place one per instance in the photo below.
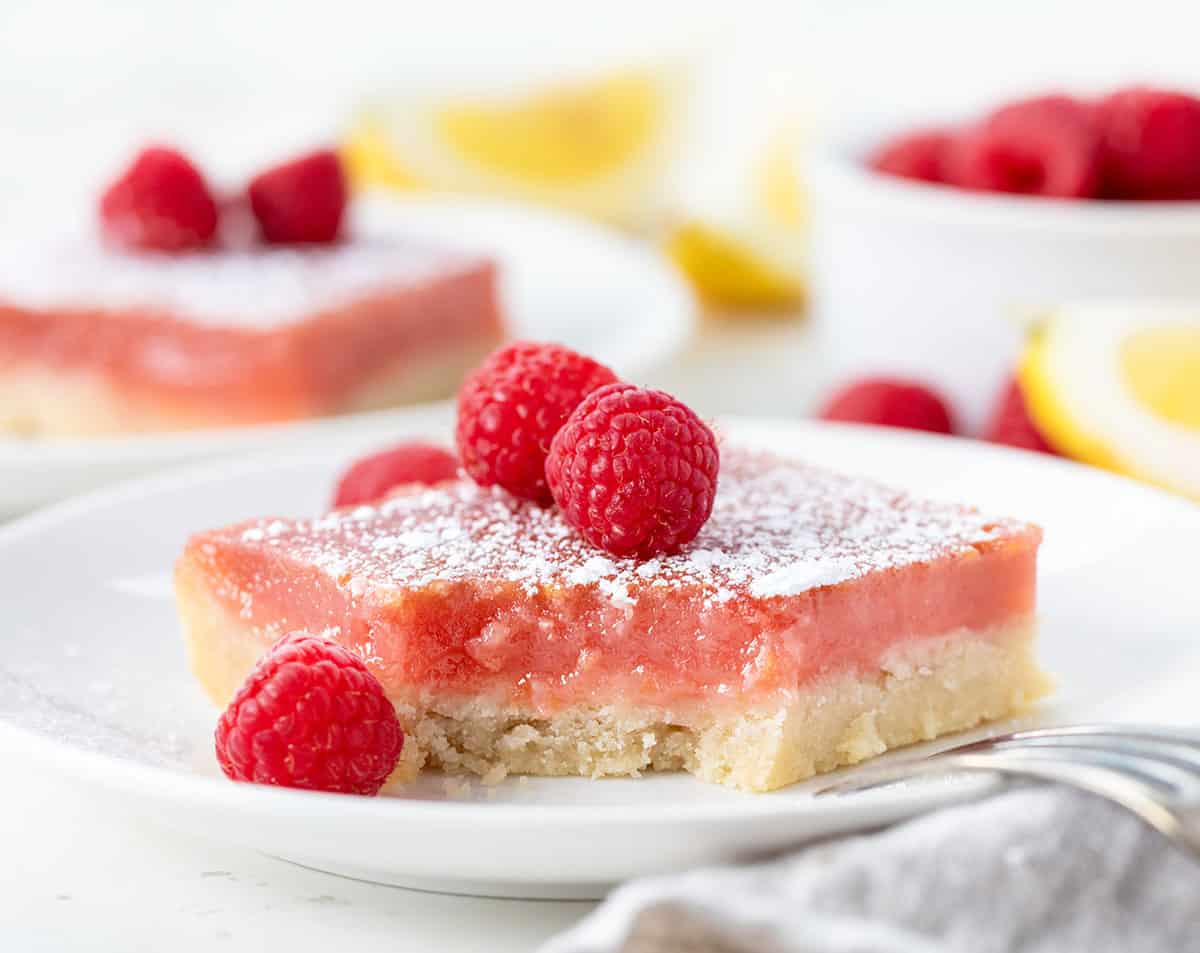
(98, 340)
(814, 621)
(157, 323)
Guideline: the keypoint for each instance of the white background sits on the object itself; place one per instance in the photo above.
(237, 82)
(81, 85)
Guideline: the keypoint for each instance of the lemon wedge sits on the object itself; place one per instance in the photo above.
(369, 158)
(741, 231)
(599, 145)
(1118, 386)
(560, 137)
(732, 268)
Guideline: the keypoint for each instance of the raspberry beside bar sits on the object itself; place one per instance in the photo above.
(97, 341)
(815, 621)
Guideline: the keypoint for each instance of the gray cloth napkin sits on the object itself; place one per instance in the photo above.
(1034, 870)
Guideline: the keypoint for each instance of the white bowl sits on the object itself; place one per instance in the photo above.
(939, 283)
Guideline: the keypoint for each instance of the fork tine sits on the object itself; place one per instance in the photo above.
(1165, 757)
(877, 775)
(1187, 738)
(1181, 755)
(1118, 786)
(1180, 777)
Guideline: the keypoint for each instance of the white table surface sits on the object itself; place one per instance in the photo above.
(80, 876)
(77, 876)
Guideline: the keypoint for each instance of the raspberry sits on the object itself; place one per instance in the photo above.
(634, 470)
(1049, 146)
(160, 203)
(371, 477)
(889, 402)
(917, 155)
(300, 201)
(1151, 144)
(1010, 422)
(511, 407)
(310, 715)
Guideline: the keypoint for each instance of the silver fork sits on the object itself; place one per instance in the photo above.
(1152, 771)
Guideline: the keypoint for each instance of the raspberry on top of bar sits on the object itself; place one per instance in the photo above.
(461, 591)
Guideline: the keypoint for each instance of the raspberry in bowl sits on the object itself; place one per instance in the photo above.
(936, 239)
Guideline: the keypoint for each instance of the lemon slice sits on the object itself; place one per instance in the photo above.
(599, 145)
(370, 160)
(1119, 386)
(733, 268)
(741, 231)
(560, 137)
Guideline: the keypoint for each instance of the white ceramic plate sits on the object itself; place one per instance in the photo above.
(562, 279)
(93, 677)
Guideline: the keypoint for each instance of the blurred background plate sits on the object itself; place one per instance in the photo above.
(562, 279)
(105, 696)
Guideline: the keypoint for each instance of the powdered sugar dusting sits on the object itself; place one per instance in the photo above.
(593, 570)
(779, 528)
(255, 288)
(796, 577)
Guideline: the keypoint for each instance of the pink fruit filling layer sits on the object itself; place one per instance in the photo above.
(460, 592)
